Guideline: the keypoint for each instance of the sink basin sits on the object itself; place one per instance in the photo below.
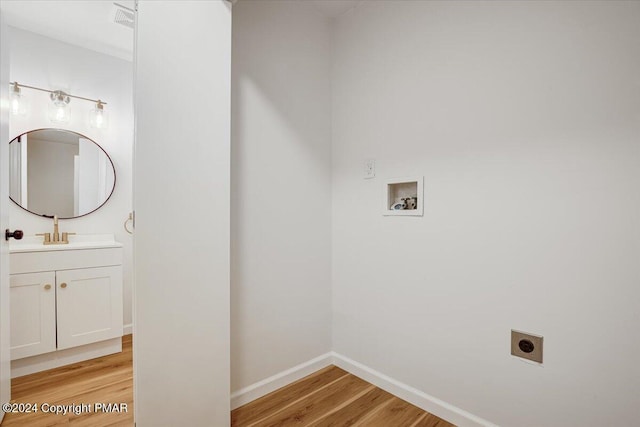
(82, 241)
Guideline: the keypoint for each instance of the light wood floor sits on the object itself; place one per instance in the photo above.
(332, 397)
(107, 379)
(329, 397)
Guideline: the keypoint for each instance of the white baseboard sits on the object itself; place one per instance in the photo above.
(414, 396)
(266, 386)
(127, 329)
(55, 359)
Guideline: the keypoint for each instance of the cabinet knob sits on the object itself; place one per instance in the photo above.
(47, 287)
(63, 285)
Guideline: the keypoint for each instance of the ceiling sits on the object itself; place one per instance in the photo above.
(90, 23)
(83, 23)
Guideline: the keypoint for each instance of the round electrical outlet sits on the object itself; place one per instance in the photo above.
(526, 346)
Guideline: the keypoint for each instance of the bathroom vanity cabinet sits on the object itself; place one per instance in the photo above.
(65, 304)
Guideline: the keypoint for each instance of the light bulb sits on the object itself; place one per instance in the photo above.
(98, 118)
(60, 114)
(15, 104)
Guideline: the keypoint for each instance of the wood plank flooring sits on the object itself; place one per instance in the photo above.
(107, 379)
(332, 397)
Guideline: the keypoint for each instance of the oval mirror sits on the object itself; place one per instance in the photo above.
(59, 172)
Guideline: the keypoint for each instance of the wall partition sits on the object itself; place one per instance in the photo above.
(181, 188)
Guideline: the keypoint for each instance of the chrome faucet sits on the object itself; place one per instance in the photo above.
(48, 239)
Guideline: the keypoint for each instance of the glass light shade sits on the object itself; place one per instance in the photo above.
(59, 113)
(98, 118)
(17, 103)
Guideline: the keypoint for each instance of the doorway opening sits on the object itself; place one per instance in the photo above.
(71, 135)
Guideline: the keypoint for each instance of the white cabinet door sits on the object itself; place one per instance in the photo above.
(89, 305)
(33, 314)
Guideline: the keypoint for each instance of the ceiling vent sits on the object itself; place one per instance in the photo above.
(123, 15)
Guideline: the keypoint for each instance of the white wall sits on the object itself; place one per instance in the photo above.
(40, 61)
(524, 118)
(182, 199)
(281, 189)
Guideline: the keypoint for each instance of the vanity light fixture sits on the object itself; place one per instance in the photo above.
(59, 110)
(17, 102)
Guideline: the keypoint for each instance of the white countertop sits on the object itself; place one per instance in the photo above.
(82, 241)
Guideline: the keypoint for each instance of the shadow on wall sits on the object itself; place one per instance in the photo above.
(280, 188)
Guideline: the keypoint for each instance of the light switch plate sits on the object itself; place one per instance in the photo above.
(369, 169)
(526, 346)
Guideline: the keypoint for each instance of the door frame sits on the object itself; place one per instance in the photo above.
(5, 354)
